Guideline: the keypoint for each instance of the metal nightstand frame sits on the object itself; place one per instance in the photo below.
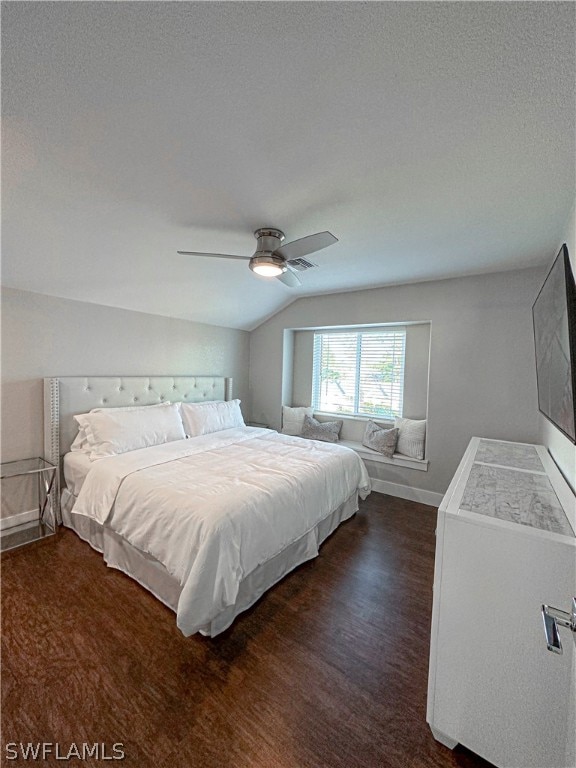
(48, 496)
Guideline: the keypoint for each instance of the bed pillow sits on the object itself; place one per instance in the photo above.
(205, 418)
(117, 431)
(380, 439)
(163, 404)
(411, 437)
(293, 419)
(328, 431)
(80, 442)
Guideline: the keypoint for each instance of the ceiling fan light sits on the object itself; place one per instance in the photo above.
(267, 270)
(267, 265)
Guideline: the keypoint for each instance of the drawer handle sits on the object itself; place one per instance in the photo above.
(553, 617)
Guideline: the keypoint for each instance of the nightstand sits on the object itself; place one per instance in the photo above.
(39, 479)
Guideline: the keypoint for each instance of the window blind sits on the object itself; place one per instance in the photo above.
(360, 373)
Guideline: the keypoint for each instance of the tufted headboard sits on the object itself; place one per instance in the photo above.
(64, 397)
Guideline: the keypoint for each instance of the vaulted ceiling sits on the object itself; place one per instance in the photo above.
(433, 139)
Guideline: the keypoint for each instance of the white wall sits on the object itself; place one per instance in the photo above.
(46, 336)
(482, 371)
(561, 449)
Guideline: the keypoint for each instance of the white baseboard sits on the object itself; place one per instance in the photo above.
(407, 492)
(18, 519)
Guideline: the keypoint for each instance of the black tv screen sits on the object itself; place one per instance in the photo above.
(554, 316)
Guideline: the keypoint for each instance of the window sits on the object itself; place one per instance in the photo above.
(360, 373)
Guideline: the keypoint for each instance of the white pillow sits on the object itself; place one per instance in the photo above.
(293, 419)
(116, 431)
(411, 437)
(80, 442)
(205, 418)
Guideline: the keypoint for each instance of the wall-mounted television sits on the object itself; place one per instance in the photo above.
(554, 316)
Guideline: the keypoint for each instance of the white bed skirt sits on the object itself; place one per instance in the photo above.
(153, 576)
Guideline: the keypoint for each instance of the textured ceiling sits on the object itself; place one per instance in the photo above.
(433, 139)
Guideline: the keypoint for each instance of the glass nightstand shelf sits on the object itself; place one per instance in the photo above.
(38, 523)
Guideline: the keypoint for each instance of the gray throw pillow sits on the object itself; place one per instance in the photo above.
(380, 439)
(328, 431)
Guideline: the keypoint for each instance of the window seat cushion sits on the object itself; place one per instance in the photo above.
(367, 454)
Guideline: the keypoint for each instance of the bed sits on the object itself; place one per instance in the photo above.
(206, 523)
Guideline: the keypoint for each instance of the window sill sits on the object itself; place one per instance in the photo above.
(367, 454)
(353, 417)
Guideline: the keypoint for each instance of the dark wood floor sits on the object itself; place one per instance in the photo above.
(329, 669)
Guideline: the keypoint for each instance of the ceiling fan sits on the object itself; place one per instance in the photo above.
(272, 259)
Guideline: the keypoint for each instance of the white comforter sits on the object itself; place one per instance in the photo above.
(213, 508)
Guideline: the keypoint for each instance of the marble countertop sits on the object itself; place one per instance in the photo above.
(516, 455)
(509, 482)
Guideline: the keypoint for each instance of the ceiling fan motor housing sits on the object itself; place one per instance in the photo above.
(265, 262)
(268, 239)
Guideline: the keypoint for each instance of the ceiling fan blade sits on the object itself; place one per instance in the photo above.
(289, 279)
(305, 245)
(218, 255)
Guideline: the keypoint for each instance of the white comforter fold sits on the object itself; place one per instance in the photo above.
(213, 508)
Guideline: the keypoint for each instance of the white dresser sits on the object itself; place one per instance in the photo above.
(505, 546)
